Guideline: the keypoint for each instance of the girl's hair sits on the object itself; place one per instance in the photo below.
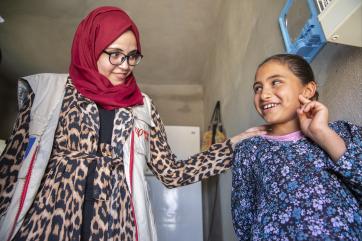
(298, 65)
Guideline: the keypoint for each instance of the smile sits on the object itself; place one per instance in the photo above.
(121, 75)
(268, 106)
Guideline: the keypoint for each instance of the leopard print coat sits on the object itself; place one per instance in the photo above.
(56, 213)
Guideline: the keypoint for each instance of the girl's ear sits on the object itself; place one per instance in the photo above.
(310, 90)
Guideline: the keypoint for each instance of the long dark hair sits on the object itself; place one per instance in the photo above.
(298, 65)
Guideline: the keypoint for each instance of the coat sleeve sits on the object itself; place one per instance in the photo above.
(349, 167)
(172, 173)
(243, 193)
(12, 156)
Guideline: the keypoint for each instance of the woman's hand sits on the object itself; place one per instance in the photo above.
(313, 118)
(254, 131)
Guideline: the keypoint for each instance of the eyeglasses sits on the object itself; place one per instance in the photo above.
(117, 58)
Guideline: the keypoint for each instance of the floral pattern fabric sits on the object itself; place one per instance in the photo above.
(292, 190)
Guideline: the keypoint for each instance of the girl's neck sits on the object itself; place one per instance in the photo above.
(294, 136)
(283, 129)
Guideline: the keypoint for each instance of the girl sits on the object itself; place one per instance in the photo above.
(303, 179)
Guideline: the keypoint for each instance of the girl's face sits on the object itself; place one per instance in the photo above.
(276, 91)
(117, 74)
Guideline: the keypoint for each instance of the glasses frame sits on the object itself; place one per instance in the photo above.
(126, 57)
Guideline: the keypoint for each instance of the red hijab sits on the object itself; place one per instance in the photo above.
(96, 32)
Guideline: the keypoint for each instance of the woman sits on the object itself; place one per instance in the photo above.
(92, 186)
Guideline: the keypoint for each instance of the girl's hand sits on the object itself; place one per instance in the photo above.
(254, 131)
(313, 117)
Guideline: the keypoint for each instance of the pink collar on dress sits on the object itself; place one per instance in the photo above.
(294, 136)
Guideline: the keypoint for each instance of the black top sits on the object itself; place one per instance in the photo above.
(106, 118)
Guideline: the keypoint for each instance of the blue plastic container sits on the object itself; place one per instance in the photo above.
(311, 38)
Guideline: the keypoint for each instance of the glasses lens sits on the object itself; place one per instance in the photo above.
(116, 58)
(134, 59)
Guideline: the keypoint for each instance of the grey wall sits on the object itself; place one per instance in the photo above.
(247, 33)
(338, 70)
(178, 104)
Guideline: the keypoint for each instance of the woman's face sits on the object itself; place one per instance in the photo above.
(124, 44)
(276, 91)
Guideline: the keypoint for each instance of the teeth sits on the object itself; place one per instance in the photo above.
(268, 106)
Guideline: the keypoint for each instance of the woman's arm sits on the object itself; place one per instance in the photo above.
(12, 156)
(173, 172)
(164, 164)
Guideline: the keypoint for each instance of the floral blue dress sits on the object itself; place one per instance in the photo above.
(292, 190)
